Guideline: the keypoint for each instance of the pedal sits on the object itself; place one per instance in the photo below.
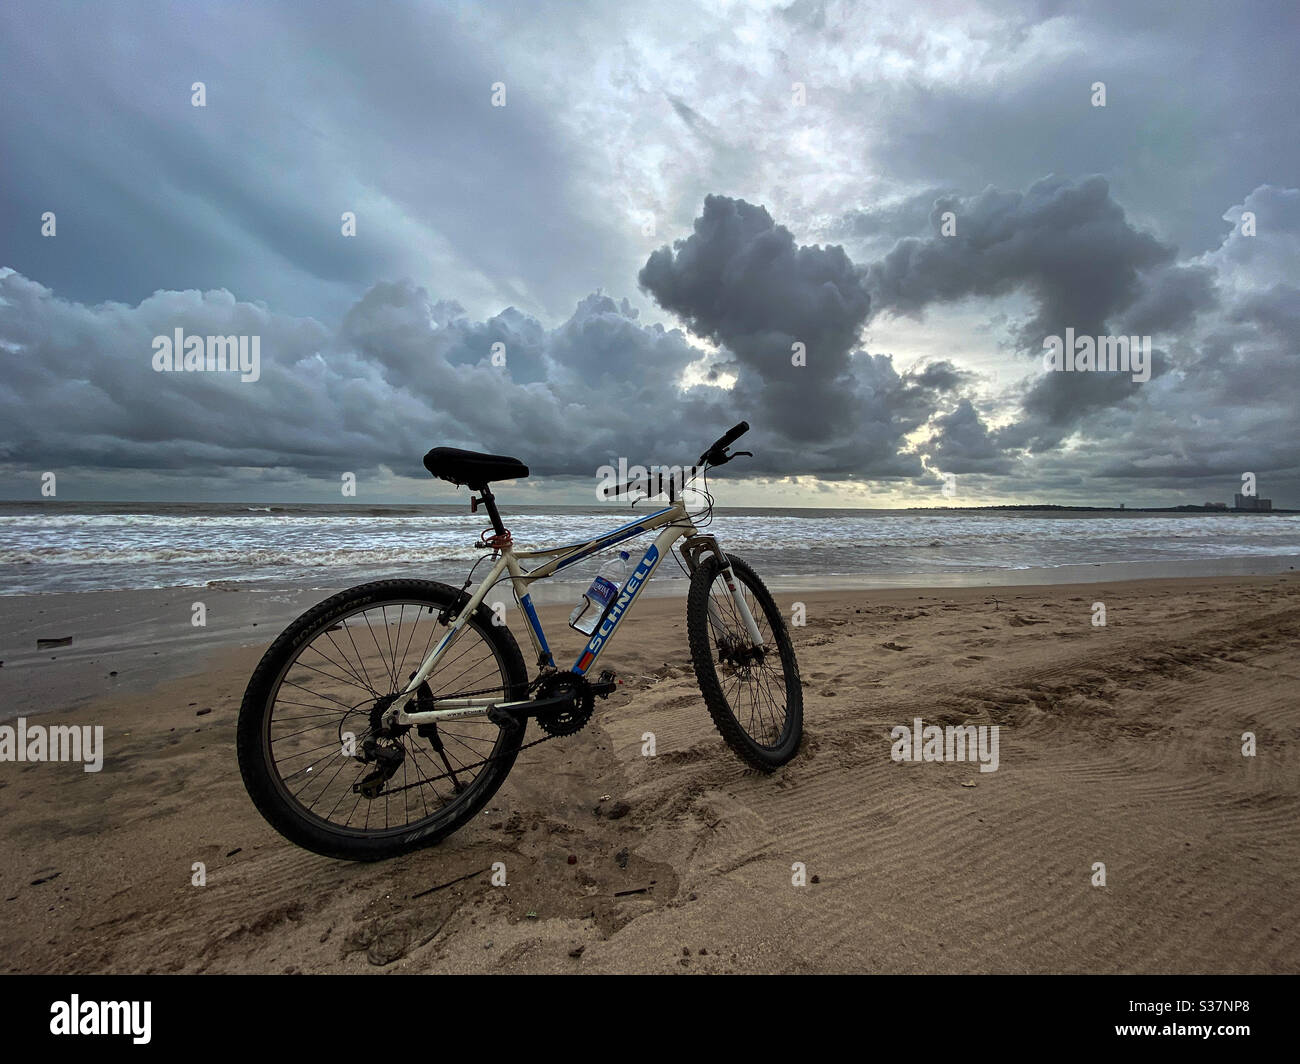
(604, 684)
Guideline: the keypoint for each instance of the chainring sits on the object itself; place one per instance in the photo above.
(573, 719)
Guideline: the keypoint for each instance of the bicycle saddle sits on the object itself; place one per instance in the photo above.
(474, 469)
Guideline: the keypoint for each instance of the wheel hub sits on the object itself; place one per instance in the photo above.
(740, 655)
(380, 727)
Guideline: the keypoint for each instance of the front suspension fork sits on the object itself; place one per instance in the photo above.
(691, 547)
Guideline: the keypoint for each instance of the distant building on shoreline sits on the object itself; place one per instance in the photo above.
(1251, 502)
(1215, 505)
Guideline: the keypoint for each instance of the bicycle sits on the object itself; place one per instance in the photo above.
(346, 758)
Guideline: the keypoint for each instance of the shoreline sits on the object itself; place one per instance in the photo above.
(1219, 565)
(128, 640)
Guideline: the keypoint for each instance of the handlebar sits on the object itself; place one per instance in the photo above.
(716, 455)
(654, 484)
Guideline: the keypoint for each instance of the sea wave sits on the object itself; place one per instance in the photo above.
(76, 551)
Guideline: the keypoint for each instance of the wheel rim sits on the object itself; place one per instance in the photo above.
(753, 685)
(322, 704)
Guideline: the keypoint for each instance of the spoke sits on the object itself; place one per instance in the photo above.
(375, 639)
(317, 694)
(757, 705)
(360, 657)
(347, 663)
(415, 627)
(388, 638)
(340, 679)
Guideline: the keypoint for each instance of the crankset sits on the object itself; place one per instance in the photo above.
(574, 703)
(562, 704)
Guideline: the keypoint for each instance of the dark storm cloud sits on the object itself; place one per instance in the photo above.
(1066, 242)
(741, 281)
(401, 374)
(962, 443)
(1069, 245)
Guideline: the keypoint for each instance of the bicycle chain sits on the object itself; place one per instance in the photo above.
(465, 768)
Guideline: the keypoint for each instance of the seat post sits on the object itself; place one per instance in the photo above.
(489, 500)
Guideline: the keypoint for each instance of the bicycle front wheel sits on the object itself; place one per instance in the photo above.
(753, 692)
(316, 756)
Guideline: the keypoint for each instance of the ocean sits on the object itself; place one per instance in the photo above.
(62, 547)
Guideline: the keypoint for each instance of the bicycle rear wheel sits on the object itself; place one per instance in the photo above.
(754, 693)
(314, 756)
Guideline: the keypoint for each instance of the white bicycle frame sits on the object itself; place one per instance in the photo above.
(675, 524)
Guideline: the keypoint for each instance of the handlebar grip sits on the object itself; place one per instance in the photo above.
(732, 435)
(714, 455)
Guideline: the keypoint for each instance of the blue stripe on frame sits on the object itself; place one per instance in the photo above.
(527, 602)
(635, 528)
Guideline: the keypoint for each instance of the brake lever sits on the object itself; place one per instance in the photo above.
(724, 458)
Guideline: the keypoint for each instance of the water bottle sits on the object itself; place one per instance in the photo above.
(600, 596)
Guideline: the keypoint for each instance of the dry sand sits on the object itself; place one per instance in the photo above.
(1119, 745)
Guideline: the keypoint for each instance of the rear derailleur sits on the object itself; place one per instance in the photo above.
(383, 746)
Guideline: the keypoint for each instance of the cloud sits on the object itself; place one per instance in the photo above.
(1066, 242)
(392, 381)
(1069, 246)
(401, 373)
(962, 443)
(309, 114)
(741, 281)
(404, 370)
(890, 221)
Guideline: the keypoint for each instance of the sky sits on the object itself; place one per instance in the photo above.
(580, 232)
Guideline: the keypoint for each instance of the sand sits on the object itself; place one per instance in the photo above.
(1119, 744)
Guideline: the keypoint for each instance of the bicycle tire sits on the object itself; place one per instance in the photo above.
(261, 778)
(703, 642)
